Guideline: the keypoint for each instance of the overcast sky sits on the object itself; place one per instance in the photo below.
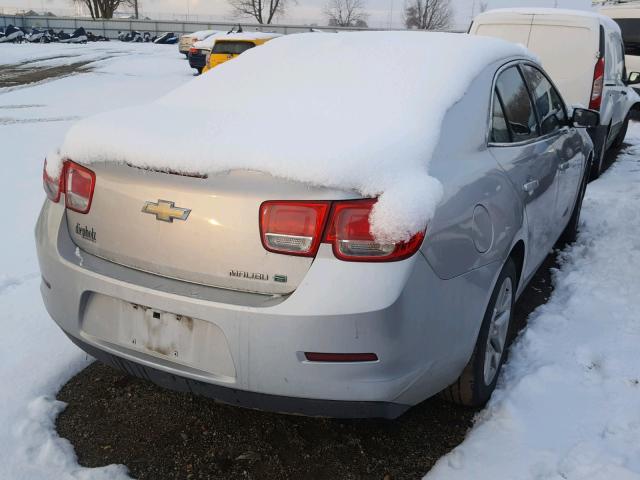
(382, 13)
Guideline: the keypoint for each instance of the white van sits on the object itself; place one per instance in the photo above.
(627, 16)
(583, 54)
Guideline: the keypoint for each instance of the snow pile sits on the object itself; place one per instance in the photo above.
(355, 111)
(36, 358)
(568, 404)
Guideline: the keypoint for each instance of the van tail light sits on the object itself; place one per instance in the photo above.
(79, 185)
(52, 186)
(598, 85)
(193, 50)
(349, 232)
(293, 227)
(298, 228)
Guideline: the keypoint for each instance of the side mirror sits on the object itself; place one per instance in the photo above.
(633, 79)
(584, 118)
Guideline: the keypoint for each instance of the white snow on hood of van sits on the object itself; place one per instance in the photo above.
(356, 111)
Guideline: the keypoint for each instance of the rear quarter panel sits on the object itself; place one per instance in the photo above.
(458, 240)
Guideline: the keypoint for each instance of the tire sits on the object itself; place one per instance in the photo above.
(199, 70)
(597, 164)
(617, 143)
(599, 152)
(478, 379)
(570, 232)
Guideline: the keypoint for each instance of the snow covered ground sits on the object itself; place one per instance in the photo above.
(568, 404)
(35, 357)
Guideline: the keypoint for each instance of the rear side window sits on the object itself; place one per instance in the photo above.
(518, 110)
(232, 48)
(549, 105)
(630, 34)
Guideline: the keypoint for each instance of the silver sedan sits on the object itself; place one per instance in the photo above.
(271, 294)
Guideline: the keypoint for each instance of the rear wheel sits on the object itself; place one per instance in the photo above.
(478, 379)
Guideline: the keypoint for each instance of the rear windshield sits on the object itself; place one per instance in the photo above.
(630, 34)
(232, 48)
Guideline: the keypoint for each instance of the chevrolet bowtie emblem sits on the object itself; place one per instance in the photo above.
(166, 211)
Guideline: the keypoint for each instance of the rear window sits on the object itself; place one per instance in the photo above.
(232, 48)
(630, 34)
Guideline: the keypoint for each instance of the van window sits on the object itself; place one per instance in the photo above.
(630, 34)
(614, 57)
(232, 48)
(499, 129)
(547, 101)
(517, 105)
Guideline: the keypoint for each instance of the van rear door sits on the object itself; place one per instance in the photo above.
(512, 27)
(568, 47)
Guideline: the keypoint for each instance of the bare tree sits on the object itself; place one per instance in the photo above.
(346, 13)
(263, 11)
(427, 14)
(106, 8)
(483, 7)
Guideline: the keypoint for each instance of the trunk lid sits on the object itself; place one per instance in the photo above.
(138, 218)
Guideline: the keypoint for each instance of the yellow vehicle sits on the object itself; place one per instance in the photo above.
(230, 46)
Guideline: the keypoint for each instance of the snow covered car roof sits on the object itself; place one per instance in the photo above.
(208, 42)
(251, 36)
(356, 111)
(202, 34)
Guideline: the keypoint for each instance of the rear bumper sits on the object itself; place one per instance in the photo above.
(416, 324)
(246, 399)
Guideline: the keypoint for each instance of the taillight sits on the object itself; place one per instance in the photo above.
(292, 227)
(349, 232)
(298, 227)
(78, 187)
(598, 85)
(193, 50)
(52, 186)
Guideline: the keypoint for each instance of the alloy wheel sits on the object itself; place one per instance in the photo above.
(497, 336)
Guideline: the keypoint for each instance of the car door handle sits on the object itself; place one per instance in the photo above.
(530, 187)
(623, 92)
(564, 165)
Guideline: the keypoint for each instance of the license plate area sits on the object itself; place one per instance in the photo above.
(179, 339)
